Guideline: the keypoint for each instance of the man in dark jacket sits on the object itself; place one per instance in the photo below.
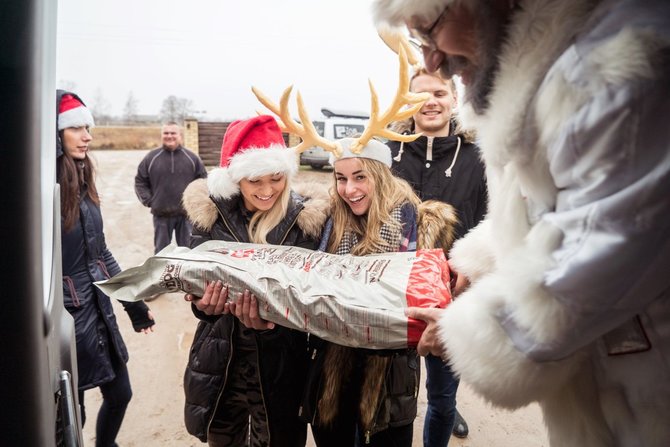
(161, 179)
(441, 165)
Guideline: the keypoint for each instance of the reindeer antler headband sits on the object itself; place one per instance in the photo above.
(376, 126)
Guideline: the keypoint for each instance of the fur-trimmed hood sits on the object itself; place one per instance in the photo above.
(436, 225)
(202, 211)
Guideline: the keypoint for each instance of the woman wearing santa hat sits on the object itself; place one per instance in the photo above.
(243, 386)
(101, 352)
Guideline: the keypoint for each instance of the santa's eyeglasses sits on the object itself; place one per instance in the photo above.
(424, 36)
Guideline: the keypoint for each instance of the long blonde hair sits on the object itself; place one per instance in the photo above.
(262, 222)
(388, 193)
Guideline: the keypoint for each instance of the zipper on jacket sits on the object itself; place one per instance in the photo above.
(295, 219)
(225, 222)
(368, 432)
(260, 383)
(416, 381)
(232, 334)
(318, 389)
(429, 148)
(223, 386)
(301, 409)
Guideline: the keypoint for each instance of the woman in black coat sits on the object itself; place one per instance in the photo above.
(243, 387)
(101, 352)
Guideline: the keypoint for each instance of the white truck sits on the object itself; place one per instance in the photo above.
(334, 125)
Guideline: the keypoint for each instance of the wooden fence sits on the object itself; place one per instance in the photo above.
(206, 137)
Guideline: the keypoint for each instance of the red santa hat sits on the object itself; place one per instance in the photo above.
(251, 148)
(73, 113)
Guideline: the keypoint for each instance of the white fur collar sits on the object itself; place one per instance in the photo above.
(539, 31)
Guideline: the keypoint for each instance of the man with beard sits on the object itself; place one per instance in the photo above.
(569, 296)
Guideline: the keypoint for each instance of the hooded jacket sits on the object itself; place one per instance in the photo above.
(282, 352)
(87, 259)
(424, 163)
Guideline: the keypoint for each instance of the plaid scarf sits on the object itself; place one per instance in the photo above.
(403, 239)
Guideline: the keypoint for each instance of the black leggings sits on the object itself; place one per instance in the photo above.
(115, 398)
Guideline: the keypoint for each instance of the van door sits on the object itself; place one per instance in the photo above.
(37, 342)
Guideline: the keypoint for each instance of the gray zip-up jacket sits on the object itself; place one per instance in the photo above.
(163, 175)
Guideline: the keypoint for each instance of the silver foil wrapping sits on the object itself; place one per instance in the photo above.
(355, 301)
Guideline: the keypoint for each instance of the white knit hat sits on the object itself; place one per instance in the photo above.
(374, 150)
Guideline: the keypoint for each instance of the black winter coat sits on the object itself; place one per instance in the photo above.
(282, 352)
(87, 259)
(465, 190)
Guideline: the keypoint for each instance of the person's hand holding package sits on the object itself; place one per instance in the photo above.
(213, 301)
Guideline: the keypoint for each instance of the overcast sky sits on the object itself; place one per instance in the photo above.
(213, 51)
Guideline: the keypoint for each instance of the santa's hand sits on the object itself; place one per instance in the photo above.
(458, 282)
(430, 342)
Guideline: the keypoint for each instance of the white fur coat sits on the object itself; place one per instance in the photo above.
(570, 298)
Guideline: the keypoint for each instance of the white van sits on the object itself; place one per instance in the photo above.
(335, 124)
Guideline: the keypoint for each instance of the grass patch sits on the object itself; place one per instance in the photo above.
(126, 137)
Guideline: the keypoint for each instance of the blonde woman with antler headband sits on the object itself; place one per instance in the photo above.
(358, 396)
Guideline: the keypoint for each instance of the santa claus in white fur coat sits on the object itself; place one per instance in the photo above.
(569, 296)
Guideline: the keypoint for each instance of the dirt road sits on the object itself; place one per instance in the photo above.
(155, 415)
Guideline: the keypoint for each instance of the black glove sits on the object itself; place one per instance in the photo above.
(138, 312)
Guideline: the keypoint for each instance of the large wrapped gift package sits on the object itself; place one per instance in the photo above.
(355, 301)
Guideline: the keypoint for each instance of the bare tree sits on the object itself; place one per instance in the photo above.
(176, 109)
(100, 108)
(130, 109)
